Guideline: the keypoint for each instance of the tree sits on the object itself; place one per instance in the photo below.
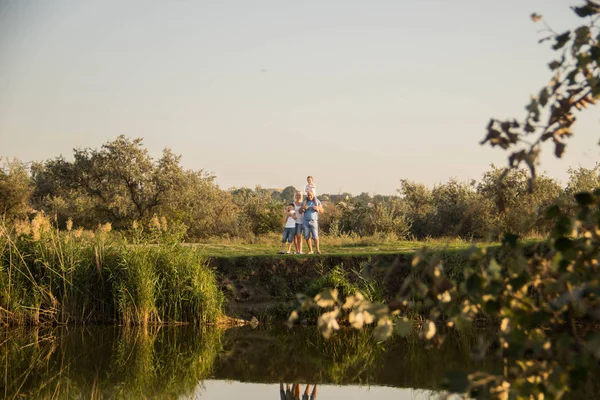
(120, 180)
(288, 194)
(16, 188)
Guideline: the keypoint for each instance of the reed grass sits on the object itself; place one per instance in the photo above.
(57, 277)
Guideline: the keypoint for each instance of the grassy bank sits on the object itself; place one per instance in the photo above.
(54, 277)
(266, 286)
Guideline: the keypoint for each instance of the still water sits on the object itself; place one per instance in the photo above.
(237, 363)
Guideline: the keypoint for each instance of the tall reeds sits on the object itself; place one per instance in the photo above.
(51, 276)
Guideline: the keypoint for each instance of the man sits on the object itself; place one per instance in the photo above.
(312, 208)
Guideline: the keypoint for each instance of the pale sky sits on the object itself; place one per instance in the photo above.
(359, 94)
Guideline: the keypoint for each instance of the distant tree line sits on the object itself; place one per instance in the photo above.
(122, 184)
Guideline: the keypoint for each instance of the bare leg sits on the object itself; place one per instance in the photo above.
(313, 395)
(310, 248)
(317, 245)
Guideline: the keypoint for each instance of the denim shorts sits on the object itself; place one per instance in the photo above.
(311, 228)
(299, 228)
(288, 235)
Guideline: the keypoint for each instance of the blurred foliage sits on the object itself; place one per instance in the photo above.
(546, 300)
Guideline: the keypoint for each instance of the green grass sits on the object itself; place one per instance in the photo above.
(57, 277)
(269, 245)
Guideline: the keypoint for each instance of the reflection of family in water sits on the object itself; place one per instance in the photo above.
(293, 393)
(302, 219)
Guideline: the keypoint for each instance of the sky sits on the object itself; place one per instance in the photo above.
(359, 94)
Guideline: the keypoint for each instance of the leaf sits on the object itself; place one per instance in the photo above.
(383, 330)
(510, 239)
(403, 327)
(293, 316)
(561, 40)
(328, 323)
(356, 319)
(326, 298)
(586, 11)
(559, 148)
(584, 198)
(505, 325)
(473, 283)
(554, 65)
(429, 330)
(543, 97)
(563, 244)
(456, 381)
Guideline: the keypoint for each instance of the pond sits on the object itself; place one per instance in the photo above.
(179, 362)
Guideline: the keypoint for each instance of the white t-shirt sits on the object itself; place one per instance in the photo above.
(299, 217)
(312, 187)
(291, 222)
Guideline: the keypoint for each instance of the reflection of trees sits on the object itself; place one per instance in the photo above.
(293, 393)
(105, 362)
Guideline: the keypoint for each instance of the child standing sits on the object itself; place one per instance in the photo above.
(289, 231)
(310, 186)
(299, 221)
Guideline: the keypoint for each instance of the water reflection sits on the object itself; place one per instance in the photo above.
(293, 392)
(175, 362)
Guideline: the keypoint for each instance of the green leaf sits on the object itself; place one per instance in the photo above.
(473, 283)
(559, 149)
(584, 199)
(456, 381)
(510, 240)
(543, 97)
(403, 327)
(561, 40)
(554, 65)
(553, 212)
(586, 11)
(563, 244)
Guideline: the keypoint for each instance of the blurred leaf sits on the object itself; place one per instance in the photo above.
(383, 330)
(535, 17)
(326, 298)
(510, 239)
(584, 198)
(559, 148)
(563, 244)
(403, 327)
(561, 40)
(473, 283)
(456, 381)
(586, 11)
(429, 330)
(553, 211)
(554, 65)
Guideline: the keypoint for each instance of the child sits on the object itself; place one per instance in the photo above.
(299, 221)
(289, 231)
(310, 186)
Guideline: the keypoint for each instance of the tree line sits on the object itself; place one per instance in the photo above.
(120, 183)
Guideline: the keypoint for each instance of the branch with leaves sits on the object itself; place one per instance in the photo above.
(574, 86)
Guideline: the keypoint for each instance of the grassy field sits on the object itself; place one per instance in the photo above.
(345, 245)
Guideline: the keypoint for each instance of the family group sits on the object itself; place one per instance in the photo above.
(302, 219)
